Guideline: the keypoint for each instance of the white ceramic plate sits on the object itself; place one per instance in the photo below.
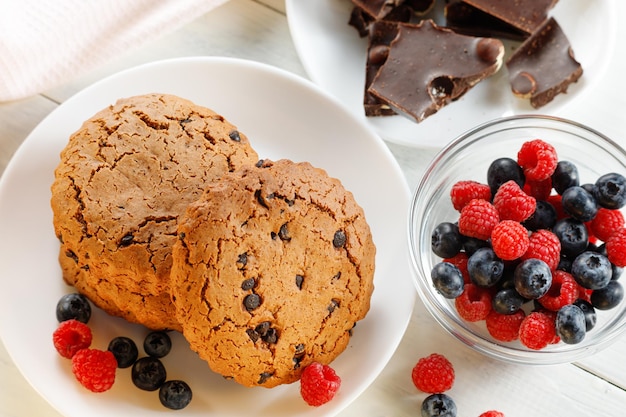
(300, 123)
(334, 57)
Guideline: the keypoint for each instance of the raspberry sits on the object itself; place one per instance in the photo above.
(537, 330)
(474, 304)
(544, 245)
(504, 327)
(509, 240)
(492, 413)
(541, 190)
(70, 337)
(538, 159)
(464, 191)
(478, 218)
(94, 369)
(605, 223)
(555, 200)
(563, 291)
(584, 293)
(616, 247)
(513, 203)
(433, 374)
(318, 384)
(460, 261)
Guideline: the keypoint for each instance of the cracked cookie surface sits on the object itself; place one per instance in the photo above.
(273, 268)
(123, 180)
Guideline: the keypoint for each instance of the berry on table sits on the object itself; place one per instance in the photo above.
(463, 192)
(438, 405)
(446, 241)
(513, 203)
(73, 306)
(447, 279)
(70, 337)
(509, 240)
(157, 344)
(532, 278)
(433, 374)
(537, 330)
(175, 394)
(318, 384)
(125, 351)
(538, 159)
(148, 373)
(478, 218)
(474, 304)
(570, 324)
(94, 369)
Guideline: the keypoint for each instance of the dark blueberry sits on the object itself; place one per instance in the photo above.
(148, 373)
(438, 405)
(502, 170)
(579, 204)
(544, 217)
(252, 301)
(485, 268)
(472, 244)
(532, 278)
(573, 236)
(617, 270)
(608, 297)
(611, 191)
(125, 351)
(157, 344)
(507, 301)
(446, 241)
(570, 324)
(590, 313)
(565, 175)
(565, 264)
(339, 239)
(175, 394)
(73, 306)
(592, 270)
(447, 279)
(590, 188)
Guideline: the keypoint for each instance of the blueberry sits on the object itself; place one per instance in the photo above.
(608, 297)
(570, 324)
(565, 175)
(125, 351)
(447, 279)
(532, 278)
(485, 268)
(617, 270)
(507, 301)
(611, 191)
(579, 203)
(544, 217)
(438, 405)
(175, 394)
(573, 236)
(157, 344)
(73, 306)
(590, 313)
(148, 373)
(502, 170)
(446, 240)
(472, 244)
(592, 270)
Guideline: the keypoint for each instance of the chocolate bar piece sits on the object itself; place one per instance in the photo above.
(362, 21)
(436, 66)
(468, 20)
(377, 9)
(543, 66)
(381, 34)
(525, 15)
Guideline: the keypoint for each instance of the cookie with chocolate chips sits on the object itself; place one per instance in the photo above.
(123, 180)
(273, 268)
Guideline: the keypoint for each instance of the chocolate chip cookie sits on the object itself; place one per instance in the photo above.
(273, 268)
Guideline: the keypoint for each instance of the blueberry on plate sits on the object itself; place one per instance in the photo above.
(572, 234)
(592, 270)
(148, 373)
(502, 170)
(438, 405)
(590, 313)
(447, 279)
(565, 175)
(157, 344)
(608, 297)
(446, 241)
(532, 278)
(73, 306)
(579, 203)
(570, 324)
(175, 394)
(611, 190)
(125, 351)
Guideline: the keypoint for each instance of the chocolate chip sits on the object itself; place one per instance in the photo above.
(299, 281)
(489, 50)
(262, 199)
(334, 303)
(378, 54)
(252, 302)
(263, 327)
(259, 163)
(248, 284)
(126, 240)
(243, 259)
(339, 239)
(270, 336)
(264, 377)
(184, 122)
(234, 135)
(70, 254)
(253, 335)
(337, 276)
(299, 349)
(283, 233)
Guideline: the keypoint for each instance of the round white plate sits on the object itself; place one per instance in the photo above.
(333, 56)
(285, 117)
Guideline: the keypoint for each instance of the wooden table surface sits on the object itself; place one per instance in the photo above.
(258, 30)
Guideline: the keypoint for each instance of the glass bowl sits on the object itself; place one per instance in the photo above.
(467, 158)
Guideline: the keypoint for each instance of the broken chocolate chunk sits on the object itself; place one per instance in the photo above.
(543, 66)
(234, 135)
(468, 20)
(377, 9)
(283, 233)
(339, 239)
(525, 15)
(299, 281)
(380, 37)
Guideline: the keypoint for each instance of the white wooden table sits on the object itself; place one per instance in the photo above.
(258, 30)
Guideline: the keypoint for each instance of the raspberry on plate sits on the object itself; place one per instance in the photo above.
(94, 369)
(70, 337)
(538, 159)
(537, 330)
(509, 240)
(513, 203)
(463, 192)
(433, 374)
(318, 384)
(478, 218)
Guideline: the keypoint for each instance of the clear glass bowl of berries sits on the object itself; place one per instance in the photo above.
(517, 239)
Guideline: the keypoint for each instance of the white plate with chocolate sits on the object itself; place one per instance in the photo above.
(435, 98)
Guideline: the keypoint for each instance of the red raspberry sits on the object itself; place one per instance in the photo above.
(541, 190)
(464, 191)
(591, 238)
(584, 293)
(474, 304)
(70, 337)
(563, 291)
(433, 374)
(605, 223)
(538, 159)
(460, 261)
(555, 200)
(478, 218)
(544, 245)
(537, 330)
(94, 369)
(509, 240)
(492, 413)
(513, 203)
(616, 247)
(318, 384)
(504, 327)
